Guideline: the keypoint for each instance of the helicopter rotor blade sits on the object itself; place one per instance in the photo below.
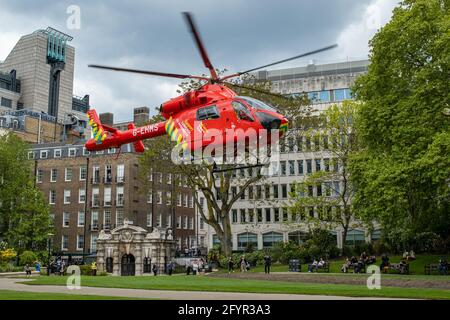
(257, 90)
(198, 41)
(280, 61)
(146, 72)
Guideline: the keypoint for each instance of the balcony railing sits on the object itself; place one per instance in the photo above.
(108, 180)
(120, 203)
(95, 203)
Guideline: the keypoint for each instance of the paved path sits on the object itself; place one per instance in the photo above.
(11, 284)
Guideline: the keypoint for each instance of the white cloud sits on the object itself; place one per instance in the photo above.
(353, 40)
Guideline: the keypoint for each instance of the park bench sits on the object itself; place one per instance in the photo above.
(431, 268)
(362, 268)
(324, 268)
(397, 267)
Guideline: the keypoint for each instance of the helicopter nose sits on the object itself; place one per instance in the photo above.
(268, 121)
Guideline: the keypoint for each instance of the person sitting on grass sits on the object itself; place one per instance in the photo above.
(313, 265)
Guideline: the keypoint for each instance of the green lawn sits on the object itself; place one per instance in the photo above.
(19, 295)
(205, 283)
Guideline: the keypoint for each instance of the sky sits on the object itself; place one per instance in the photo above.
(152, 35)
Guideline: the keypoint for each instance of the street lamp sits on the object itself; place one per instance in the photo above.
(49, 238)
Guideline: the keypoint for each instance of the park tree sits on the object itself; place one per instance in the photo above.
(330, 190)
(402, 176)
(24, 215)
(217, 183)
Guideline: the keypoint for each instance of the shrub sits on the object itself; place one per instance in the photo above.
(86, 270)
(27, 257)
(7, 254)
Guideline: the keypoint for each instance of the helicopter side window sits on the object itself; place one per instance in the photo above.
(242, 112)
(208, 113)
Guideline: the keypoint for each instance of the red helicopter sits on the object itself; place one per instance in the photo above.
(198, 118)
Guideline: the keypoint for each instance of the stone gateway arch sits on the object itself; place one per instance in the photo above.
(130, 250)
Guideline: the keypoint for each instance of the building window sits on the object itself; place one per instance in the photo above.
(66, 196)
(185, 222)
(158, 220)
(185, 200)
(234, 215)
(96, 174)
(298, 237)
(107, 196)
(149, 219)
(120, 196)
(108, 174)
(150, 197)
(68, 174)
(66, 219)
(168, 198)
(94, 220)
(6, 102)
(243, 216)
(120, 173)
(179, 222)
(72, 152)
(268, 215)
(86, 152)
(179, 199)
(271, 238)
(52, 197)
(95, 197)
(83, 173)
(39, 175)
(284, 193)
(276, 214)
(44, 154)
(375, 235)
(259, 215)
(80, 220)
(107, 219)
(355, 237)
(191, 201)
(318, 167)
(283, 167)
(291, 167)
(93, 243)
(30, 154)
(216, 240)
(159, 197)
(326, 163)
(202, 224)
(80, 242)
(81, 195)
(246, 240)
(53, 175)
(57, 153)
(275, 191)
(169, 178)
(191, 223)
(119, 217)
(65, 243)
(308, 166)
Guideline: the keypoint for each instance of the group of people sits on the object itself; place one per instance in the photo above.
(316, 264)
(409, 256)
(358, 264)
(195, 266)
(244, 265)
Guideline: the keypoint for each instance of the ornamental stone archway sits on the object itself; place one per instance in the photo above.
(131, 250)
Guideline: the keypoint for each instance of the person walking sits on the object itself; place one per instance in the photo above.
(243, 264)
(267, 263)
(155, 270)
(94, 268)
(230, 265)
(170, 268)
(27, 270)
(37, 267)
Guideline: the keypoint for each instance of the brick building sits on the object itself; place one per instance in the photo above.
(89, 192)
